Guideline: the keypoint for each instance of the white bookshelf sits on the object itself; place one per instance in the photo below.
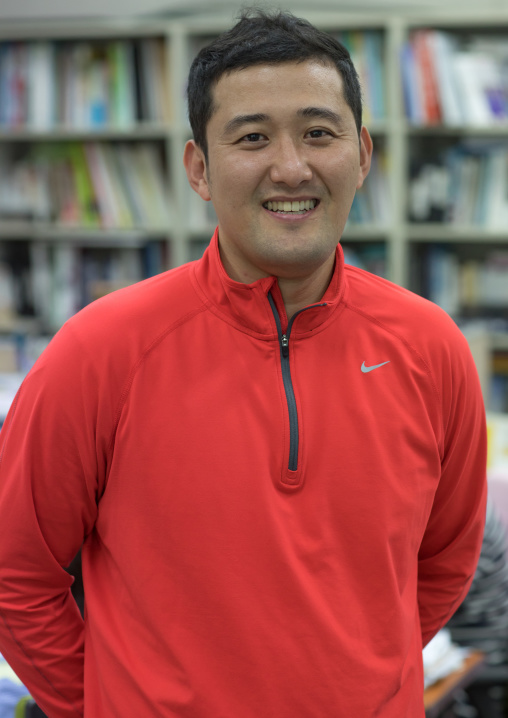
(189, 228)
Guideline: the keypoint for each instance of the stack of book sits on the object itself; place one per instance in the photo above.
(89, 184)
(64, 277)
(468, 187)
(450, 82)
(84, 85)
(367, 52)
(461, 285)
(42, 284)
(499, 382)
(371, 257)
(372, 202)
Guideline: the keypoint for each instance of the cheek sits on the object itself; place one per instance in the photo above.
(346, 178)
(237, 183)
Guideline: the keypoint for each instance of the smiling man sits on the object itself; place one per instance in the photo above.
(284, 159)
(274, 463)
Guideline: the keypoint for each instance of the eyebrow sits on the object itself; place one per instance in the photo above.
(323, 113)
(241, 120)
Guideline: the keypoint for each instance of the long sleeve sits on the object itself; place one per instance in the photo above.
(452, 542)
(50, 462)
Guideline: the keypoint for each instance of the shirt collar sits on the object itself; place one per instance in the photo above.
(246, 305)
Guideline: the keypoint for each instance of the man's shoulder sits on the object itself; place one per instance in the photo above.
(145, 307)
(110, 337)
(417, 321)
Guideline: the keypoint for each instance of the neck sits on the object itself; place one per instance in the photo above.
(299, 293)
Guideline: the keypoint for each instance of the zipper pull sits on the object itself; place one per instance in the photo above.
(284, 342)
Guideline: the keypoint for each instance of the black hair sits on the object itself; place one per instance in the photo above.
(264, 38)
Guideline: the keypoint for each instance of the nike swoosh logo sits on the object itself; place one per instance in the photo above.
(366, 369)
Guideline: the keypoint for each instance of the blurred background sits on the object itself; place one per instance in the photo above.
(93, 197)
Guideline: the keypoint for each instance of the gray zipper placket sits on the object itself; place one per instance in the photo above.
(294, 435)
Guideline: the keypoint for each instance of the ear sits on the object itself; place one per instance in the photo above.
(365, 156)
(195, 166)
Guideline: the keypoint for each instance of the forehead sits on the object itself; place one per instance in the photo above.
(282, 86)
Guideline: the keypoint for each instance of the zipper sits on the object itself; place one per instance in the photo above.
(294, 436)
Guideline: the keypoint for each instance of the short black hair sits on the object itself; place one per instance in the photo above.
(264, 38)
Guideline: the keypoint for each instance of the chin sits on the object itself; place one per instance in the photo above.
(297, 262)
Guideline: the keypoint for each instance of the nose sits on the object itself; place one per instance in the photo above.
(289, 165)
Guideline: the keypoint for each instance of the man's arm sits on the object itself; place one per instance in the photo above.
(50, 460)
(451, 546)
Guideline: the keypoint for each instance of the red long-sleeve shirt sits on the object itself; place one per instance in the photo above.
(271, 517)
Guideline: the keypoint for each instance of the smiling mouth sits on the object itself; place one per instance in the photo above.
(296, 207)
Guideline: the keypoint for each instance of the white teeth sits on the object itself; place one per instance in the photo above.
(298, 206)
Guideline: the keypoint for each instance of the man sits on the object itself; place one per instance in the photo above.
(275, 463)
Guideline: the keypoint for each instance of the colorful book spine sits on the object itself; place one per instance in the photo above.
(85, 84)
(457, 81)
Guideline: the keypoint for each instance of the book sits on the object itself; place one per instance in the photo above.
(84, 84)
(443, 282)
(41, 280)
(7, 297)
(375, 63)
(443, 47)
(99, 111)
(87, 200)
(153, 258)
(65, 297)
(366, 50)
(19, 85)
(470, 283)
(456, 80)
(426, 77)
(468, 68)
(411, 85)
(108, 211)
(467, 185)
(123, 215)
(494, 280)
(153, 185)
(42, 98)
(372, 202)
(121, 57)
(4, 85)
(496, 215)
(130, 186)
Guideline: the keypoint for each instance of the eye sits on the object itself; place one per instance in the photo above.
(318, 134)
(253, 137)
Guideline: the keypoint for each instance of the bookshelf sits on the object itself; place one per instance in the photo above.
(119, 95)
(455, 100)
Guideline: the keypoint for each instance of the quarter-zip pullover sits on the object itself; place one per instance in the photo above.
(274, 515)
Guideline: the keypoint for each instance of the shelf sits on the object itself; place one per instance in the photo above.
(428, 232)
(23, 230)
(365, 233)
(490, 131)
(145, 131)
(82, 28)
